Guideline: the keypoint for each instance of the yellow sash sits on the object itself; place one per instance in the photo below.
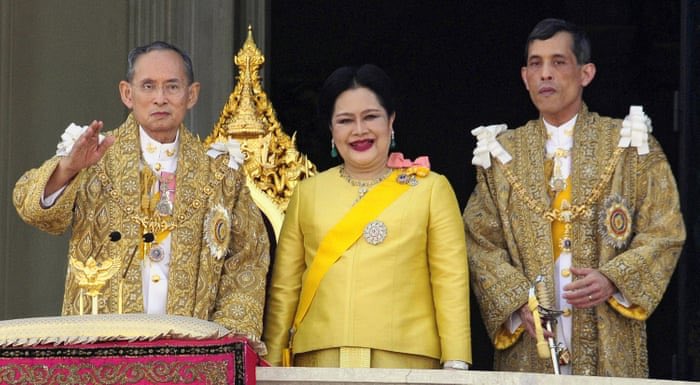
(558, 227)
(338, 239)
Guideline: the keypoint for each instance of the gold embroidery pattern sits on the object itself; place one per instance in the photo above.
(571, 212)
(199, 284)
(158, 223)
(510, 243)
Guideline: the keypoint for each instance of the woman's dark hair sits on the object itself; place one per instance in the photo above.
(345, 78)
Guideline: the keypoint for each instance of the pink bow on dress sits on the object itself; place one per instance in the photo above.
(419, 167)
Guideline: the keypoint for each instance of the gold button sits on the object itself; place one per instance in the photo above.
(151, 148)
(157, 166)
(565, 273)
(567, 313)
(155, 278)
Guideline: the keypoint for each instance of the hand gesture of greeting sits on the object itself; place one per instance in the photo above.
(86, 151)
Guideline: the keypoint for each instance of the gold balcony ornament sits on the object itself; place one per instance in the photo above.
(273, 165)
(92, 277)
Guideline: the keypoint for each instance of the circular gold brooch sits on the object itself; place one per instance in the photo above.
(217, 231)
(616, 222)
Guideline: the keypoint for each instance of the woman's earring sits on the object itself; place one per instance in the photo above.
(393, 141)
(334, 152)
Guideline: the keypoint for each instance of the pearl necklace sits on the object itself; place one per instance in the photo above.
(364, 185)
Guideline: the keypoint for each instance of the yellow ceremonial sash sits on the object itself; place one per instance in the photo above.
(558, 227)
(338, 239)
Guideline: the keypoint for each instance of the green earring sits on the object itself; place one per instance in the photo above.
(334, 152)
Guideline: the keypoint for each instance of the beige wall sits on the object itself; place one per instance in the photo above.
(60, 62)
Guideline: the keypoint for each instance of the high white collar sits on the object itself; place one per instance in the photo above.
(154, 150)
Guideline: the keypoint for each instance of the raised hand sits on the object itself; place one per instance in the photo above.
(86, 151)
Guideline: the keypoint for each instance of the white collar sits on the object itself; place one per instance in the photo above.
(561, 137)
(569, 125)
(156, 150)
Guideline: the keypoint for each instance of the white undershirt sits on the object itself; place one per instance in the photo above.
(562, 138)
(155, 291)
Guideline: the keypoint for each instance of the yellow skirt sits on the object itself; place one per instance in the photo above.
(352, 357)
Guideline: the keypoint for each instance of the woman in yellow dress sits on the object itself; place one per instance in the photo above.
(370, 268)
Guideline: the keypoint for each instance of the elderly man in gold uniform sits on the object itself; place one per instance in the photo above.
(197, 240)
(587, 202)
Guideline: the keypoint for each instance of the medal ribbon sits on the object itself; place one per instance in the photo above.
(149, 203)
(561, 231)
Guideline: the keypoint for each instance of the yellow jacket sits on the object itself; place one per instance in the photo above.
(408, 294)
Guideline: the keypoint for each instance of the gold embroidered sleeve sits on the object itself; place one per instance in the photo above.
(27, 195)
(498, 286)
(241, 296)
(643, 271)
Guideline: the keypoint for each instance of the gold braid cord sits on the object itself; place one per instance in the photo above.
(273, 166)
(575, 211)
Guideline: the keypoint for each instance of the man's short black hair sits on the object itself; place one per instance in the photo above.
(158, 46)
(547, 28)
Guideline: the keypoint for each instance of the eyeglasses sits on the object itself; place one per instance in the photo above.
(170, 88)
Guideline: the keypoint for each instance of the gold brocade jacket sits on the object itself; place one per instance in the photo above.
(220, 248)
(407, 294)
(510, 244)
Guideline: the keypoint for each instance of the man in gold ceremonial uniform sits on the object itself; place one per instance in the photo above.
(585, 201)
(197, 240)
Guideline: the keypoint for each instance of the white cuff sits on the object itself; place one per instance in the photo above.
(621, 299)
(49, 201)
(514, 322)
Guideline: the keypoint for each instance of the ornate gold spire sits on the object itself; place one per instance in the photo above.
(272, 164)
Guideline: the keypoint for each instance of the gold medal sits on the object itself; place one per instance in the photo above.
(615, 222)
(164, 205)
(217, 231)
(557, 184)
(156, 253)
